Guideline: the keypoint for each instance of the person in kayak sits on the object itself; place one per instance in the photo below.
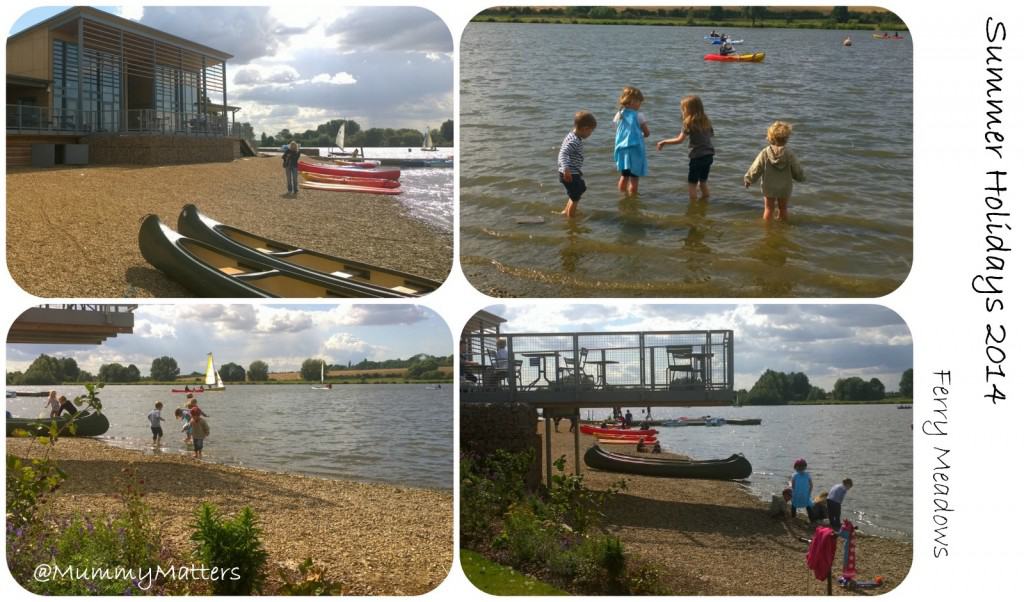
(777, 167)
(698, 130)
(726, 48)
(631, 129)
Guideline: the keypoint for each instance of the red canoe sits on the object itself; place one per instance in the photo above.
(199, 390)
(631, 437)
(586, 429)
(352, 172)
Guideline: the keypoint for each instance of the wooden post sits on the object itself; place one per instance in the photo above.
(828, 585)
(547, 445)
(576, 437)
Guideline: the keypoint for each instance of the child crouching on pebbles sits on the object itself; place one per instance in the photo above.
(570, 160)
(776, 166)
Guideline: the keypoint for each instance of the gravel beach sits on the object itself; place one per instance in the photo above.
(73, 232)
(375, 539)
(715, 538)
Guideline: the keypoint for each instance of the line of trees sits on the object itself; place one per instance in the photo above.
(838, 14)
(776, 388)
(48, 370)
(355, 136)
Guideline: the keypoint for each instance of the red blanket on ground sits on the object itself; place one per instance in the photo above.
(822, 553)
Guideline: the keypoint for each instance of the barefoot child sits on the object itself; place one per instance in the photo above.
(631, 129)
(154, 423)
(697, 128)
(570, 160)
(776, 166)
(800, 484)
(200, 431)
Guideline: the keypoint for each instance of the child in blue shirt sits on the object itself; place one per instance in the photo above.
(631, 129)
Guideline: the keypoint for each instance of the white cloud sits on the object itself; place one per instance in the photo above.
(339, 79)
(147, 329)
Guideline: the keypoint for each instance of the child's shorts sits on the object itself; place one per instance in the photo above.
(700, 168)
(197, 444)
(158, 431)
(625, 173)
(576, 188)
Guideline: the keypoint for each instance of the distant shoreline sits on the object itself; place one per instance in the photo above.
(679, 22)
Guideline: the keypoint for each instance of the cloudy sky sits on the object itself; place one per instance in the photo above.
(379, 66)
(281, 335)
(823, 341)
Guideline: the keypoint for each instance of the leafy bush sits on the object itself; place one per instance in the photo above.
(100, 550)
(489, 487)
(525, 537)
(233, 547)
(28, 482)
(570, 502)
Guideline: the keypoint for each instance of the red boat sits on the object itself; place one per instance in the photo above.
(633, 438)
(351, 172)
(367, 182)
(196, 390)
(586, 429)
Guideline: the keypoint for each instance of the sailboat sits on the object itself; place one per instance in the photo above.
(213, 381)
(339, 140)
(428, 144)
(322, 386)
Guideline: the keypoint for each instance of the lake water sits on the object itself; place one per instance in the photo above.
(428, 193)
(400, 434)
(871, 444)
(850, 228)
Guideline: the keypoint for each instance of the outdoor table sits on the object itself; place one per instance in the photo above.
(542, 365)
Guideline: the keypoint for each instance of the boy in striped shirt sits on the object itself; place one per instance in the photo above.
(570, 160)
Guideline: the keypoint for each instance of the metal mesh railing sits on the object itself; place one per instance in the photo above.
(31, 119)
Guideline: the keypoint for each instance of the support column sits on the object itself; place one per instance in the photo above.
(576, 438)
(224, 94)
(547, 446)
(81, 86)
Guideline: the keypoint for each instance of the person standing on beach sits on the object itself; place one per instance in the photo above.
(836, 495)
(186, 423)
(154, 423)
(801, 485)
(290, 160)
(629, 419)
(777, 167)
(200, 431)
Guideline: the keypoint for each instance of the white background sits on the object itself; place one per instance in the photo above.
(947, 319)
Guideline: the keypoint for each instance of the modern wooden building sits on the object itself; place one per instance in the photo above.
(78, 324)
(88, 77)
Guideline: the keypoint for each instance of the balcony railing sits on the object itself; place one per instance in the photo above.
(36, 120)
(658, 368)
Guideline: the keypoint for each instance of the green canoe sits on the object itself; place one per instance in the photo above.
(87, 424)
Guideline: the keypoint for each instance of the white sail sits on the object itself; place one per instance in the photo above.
(322, 385)
(428, 143)
(340, 139)
(213, 381)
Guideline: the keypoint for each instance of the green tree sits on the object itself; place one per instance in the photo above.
(448, 132)
(232, 373)
(14, 378)
(421, 368)
(716, 13)
(113, 373)
(907, 383)
(841, 14)
(259, 371)
(68, 369)
(164, 368)
(132, 374)
(310, 369)
(816, 394)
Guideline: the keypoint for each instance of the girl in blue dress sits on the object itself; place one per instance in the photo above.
(801, 485)
(631, 129)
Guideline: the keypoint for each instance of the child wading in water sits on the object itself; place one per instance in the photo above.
(697, 128)
(570, 160)
(776, 166)
(154, 423)
(630, 154)
(801, 485)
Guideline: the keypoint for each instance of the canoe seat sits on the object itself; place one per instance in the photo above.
(405, 290)
(341, 274)
(262, 250)
(232, 271)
